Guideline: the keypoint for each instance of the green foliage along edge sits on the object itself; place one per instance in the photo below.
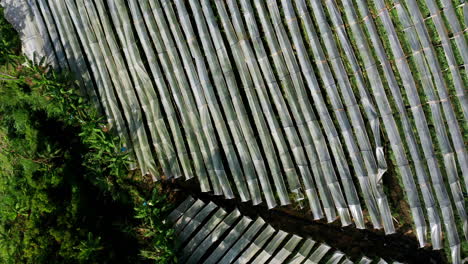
(67, 195)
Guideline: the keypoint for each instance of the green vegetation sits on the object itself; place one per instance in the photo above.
(67, 195)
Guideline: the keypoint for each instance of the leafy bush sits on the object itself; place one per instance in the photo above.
(67, 193)
(155, 230)
(9, 39)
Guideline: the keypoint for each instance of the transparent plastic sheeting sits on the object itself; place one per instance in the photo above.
(336, 257)
(31, 30)
(278, 101)
(208, 234)
(287, 250)
(365, 260)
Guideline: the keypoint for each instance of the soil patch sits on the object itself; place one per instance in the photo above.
(401, 246)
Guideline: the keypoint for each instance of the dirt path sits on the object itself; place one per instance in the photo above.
(355, 243)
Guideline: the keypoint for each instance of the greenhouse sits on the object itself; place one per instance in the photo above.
(346, 114)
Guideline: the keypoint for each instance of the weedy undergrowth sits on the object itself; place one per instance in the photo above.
(67, 195)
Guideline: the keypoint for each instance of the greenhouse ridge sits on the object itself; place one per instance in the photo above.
(293, 102)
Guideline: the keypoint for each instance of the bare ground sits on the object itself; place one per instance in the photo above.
(401, 246)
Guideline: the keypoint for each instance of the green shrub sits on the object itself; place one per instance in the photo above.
(9, 39)
(66, 193)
